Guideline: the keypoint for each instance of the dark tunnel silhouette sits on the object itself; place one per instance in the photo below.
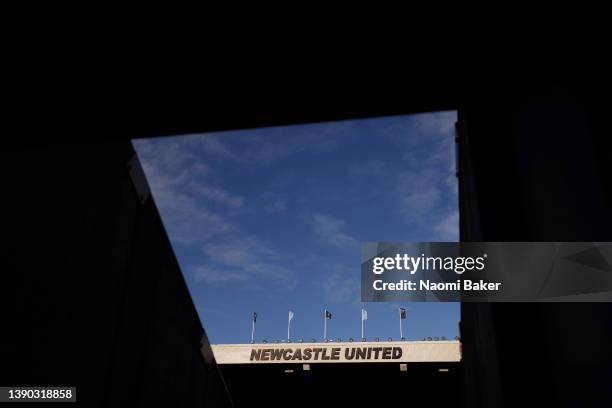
(97, 299)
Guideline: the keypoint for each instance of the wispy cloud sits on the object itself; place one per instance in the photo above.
(418, 192)
(427, 189)
(201, 212)
(370, 168)
(212, 144)
(437, 124)
(330, 230)
(266, 145)
(198, 214)
(189, 222)
(340, 283)
(178, 181)
(447, 229)
(218, 195)
(214, 275)
(277, 207)
(252, 259)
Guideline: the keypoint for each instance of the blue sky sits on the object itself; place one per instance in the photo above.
(270, 220)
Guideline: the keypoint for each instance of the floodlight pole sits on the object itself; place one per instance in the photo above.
(362, 323)
(325, 325)
(253, 332)
(401, 328)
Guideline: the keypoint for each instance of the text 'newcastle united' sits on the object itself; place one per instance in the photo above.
(319, 353)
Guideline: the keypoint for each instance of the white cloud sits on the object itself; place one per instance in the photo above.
(218, 195)
(187, 219)
(281, 142)
(330, 230)
(340, 283)
(188, 222)
(185, 198)
(197, 213)
(212, 144)
(267, 145)
(428, 184)
(418, 192)
(436, 124)
(447, 229)
(172, 154)
(252, 258)
(213, 275)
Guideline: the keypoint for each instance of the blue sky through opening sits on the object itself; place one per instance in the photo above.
(270, 220)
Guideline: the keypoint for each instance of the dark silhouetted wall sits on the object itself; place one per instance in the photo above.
(94, 295)
(536, 167)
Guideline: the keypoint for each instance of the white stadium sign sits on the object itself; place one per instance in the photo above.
(341, 352)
